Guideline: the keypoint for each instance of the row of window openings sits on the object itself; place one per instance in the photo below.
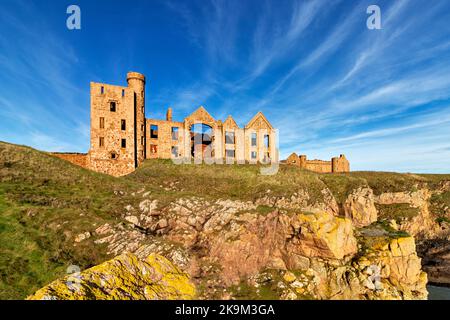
(229, 136)
(154, 132)
(113, 107)
(123, 124)
(123, 142)
(154, 150)
(114, 155)
(232, 154)
(230, 139)
(229, 153)
(154, 135)
(102, 91)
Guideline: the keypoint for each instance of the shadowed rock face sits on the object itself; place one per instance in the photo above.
(122, 278)
(436, 260)
(360, 207)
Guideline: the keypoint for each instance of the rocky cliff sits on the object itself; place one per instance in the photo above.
(122, 278)
(229, 231)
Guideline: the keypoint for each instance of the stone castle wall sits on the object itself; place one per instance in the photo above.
(121, 136)
(320, 166)
(106, 153)
(161, 146)
(340, 164)
(336, 165)
(79, 159)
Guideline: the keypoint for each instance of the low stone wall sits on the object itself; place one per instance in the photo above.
(79, 159)
(336, 165)
(116, 168)
(319, 166)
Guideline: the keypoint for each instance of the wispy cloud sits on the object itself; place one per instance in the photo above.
(327, 82)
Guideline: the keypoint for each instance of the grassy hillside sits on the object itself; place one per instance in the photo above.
(46, 201)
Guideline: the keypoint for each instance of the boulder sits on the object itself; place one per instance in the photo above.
(360, 207)
(82, 236)
(123, 278)
(322, 235)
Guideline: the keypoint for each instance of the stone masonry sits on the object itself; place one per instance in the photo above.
(122, 138)
(336, 165)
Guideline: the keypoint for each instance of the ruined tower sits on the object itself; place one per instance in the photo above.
(136, 84)
(122, 138)
(118, 126)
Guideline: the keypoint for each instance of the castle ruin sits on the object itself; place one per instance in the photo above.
(122, 137)
(336, 165)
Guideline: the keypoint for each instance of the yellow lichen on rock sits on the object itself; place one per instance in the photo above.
(398, 267)
(123, 278)
(323, 235)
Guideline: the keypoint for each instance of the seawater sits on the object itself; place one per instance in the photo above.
(438, 293)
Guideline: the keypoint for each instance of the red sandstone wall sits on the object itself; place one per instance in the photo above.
(79, 159)
(319, 166)
(336, 165)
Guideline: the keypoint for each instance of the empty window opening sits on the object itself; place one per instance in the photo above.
(143, 110)
(253, 154)
(113, 155)
(124, 143)
(254, 138)
(266, 141)
(230, 153)
(175, 151)
(112, 106)
(153, 149)
(102, 90)
(174, 133)
(101, 142)
(229, 137)
(102, 123)
(142, 140)
(123, 93)
(142, 128)
(123, 124)
(154, 131)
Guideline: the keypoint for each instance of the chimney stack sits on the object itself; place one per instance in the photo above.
(169, 114)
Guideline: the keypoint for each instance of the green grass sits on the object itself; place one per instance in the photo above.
(341, 185)
(266, 290)
(397, 211)
(46, 201)
(443, 219)
(439, 204)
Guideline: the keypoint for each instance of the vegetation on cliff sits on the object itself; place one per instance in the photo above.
(54, 214)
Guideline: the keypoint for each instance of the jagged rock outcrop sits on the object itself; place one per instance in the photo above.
(360, 207)
(123, 278)
(436, 259)
(386, 269)
(301, 201)
(226, 241)
(422, 225)
(322, 235)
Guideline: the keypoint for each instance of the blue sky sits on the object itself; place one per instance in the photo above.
(320, 76)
